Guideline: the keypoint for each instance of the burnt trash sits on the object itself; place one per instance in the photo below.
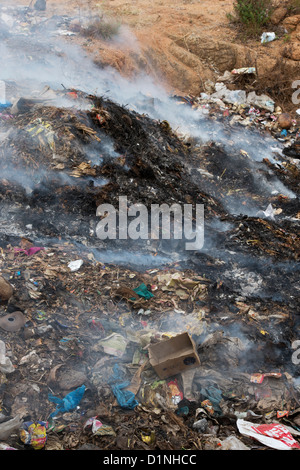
(293, 150)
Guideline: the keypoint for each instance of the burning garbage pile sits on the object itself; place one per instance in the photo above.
(140, 344)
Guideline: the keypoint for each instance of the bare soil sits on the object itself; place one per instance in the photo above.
(184, 43)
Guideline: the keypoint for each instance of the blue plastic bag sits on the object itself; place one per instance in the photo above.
(142, 291)
(125, 398)
(69, 402)
(5, 105)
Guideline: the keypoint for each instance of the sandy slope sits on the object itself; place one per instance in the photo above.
(183, 43)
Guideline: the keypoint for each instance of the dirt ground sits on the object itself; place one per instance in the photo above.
(184, 43)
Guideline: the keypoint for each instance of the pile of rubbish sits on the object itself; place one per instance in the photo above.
(123, 344)
(246, 108)
(80, 333)
(97, 354)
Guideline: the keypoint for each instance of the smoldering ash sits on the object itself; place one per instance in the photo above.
(162, 221)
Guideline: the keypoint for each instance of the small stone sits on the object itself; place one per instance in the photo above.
(278, 15)
(285, 121)
(72, 379)
(201, 425)
(6, 290)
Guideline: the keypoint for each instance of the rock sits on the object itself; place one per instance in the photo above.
(12, 322)
(222, 53)
(278, 15)
(292, 52)
(233, 443)
(72, 379)
(201, 425)
(290, 23)
(6, 366)
(285, 121)
(6, 290)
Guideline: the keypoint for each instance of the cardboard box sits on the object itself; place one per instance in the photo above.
(174, 355)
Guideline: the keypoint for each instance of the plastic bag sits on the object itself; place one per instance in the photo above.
(213, 396)
(30, 252)
(7, 428)
(274, 435)
(75, 265)
(126, 398)
(69, 402)
(177, 395)
(267, 37)
(98, 428)
(114, 345)
(142, 291)
(233, 443)
(6, 366)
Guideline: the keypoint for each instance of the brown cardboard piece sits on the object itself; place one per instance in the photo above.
(174, 355)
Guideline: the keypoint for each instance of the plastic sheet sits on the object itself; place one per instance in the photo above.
(273, 435)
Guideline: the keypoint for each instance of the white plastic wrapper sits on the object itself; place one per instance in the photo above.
(267, 37)
(6, 366)
(75, 265)
(274, 435)
(233, 443)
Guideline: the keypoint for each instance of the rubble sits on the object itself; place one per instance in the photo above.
(81, 317)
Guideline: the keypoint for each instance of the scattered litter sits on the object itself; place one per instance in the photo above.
(6, 366)
(267, 37)
(8, 427)
(69, 402)
(243, 71)
(98, 428)
(274, 435)
(75, 265)
(34, 434)
(126, 398)
(174, 355)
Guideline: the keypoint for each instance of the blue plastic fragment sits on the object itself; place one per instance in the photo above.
(69, 402)
(126, 398)
(5, 105)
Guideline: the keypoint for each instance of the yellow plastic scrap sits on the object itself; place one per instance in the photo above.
(148, 438)
(263, 332)
(243, 152)
(41, 127)
(34, 434)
